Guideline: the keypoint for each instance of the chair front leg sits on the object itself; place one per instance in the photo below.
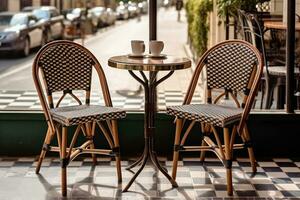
(45, 148)
(64, 161)
(116, 149)
(228, 160)
(176, 147)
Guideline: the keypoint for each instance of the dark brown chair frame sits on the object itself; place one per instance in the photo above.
(223, 152)
(109, 127)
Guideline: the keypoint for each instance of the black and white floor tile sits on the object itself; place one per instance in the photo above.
(28, 100)
(275, 179)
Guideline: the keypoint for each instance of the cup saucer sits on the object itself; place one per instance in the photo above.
(136, 55)
(158, 56)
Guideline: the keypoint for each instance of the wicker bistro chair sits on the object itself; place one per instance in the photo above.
(234, 66)
(66, 66)
(274, 75)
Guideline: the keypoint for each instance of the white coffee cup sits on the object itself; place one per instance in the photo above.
(137, 47)
(156, 47)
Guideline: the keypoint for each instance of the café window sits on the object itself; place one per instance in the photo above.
(3, 5)
(24, 3)
(45, 2)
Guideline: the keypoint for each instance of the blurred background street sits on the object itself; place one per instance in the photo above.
(15, 72)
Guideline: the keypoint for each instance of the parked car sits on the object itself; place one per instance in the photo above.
(54, 22)
(133, 9)
(111, 16)
(101, 14)
(77, 20)
(21, 33)
(143, 6)
(122, 12)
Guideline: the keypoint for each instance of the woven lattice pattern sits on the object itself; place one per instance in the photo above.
(230, 66)
(216, 115)
(72, 115)
(66, 67)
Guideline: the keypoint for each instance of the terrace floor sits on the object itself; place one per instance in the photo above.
(276, 178)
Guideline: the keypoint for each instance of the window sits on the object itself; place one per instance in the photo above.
(24, 3)
(3, 5)
(45, 2)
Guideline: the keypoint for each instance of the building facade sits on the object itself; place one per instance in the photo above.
(17, 5)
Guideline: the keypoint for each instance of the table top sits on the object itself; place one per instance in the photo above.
(168, 63)
(280, 25)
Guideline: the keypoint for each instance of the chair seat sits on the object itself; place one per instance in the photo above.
(281, 71)
(73, 115)
(216, 115)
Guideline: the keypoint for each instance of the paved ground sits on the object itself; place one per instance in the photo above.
(275, 179)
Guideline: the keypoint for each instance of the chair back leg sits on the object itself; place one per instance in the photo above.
(246, 139)
(228, 160)
(202, 153)
(64, 161)
(90, 136)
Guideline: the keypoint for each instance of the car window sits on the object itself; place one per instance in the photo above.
(5, 19)
(41, 14)
(76, 11)
(19, 19)
(98, 10)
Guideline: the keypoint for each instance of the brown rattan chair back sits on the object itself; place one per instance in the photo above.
(233, 65)
(229, 67)
(66, 66)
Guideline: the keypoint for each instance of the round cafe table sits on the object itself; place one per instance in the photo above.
(279, 25)
(150, 83)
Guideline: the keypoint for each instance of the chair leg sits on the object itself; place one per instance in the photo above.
(64, 162)
(90, 136)
(176, 144)
(202, 154)
(228, 160)
(117, 149)
(270, 86)
(47, 141)
(246, 138)
(280, 96)
(263, 88)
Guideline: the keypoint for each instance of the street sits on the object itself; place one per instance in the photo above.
(15, 73)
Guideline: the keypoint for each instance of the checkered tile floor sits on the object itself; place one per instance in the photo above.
(276, 178)
(28, 100)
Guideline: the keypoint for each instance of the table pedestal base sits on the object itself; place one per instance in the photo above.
(142, 161)
(149, 128)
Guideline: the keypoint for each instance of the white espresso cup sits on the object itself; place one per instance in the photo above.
(156, 47)
(137, 47)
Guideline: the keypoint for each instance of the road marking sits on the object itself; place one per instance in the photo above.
(99, 35)
(18, 69)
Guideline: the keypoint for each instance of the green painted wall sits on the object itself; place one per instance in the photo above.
(274, 134)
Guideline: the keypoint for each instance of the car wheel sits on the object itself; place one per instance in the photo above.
(26, 50)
